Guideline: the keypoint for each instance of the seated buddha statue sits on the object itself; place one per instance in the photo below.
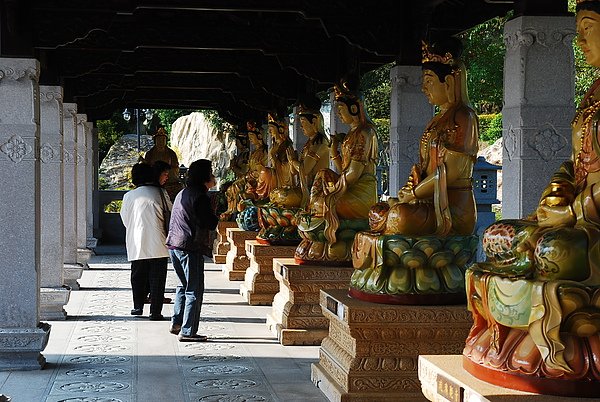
(239, 166)
(250, 189)
(339, 203)
(276, 218)
(314, 155)
(418, 245)
(161, 152)
(536, 300)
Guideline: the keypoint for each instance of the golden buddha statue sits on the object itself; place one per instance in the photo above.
(536, 300)
(239, 166)
(161, 152)
(256, 164)
(419, 244)
(315, 153)
(339, 202)
(277, 219)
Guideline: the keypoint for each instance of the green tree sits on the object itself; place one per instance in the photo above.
(168, 116)
(483, 56)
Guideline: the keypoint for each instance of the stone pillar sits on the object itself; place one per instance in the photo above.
(81, 185)
(409, 114)
(72, 270)
(95, 188)
(538, 107)
(53, 294)
(22, 336)
(91, 184)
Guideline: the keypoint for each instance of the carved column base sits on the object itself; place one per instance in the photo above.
(52, 301)
(91, 242)
(296, 317)
(20, 347)
(237, 261)
(372, 349)
(221, 245)
(260, 285)
(71, 273)
(83, 256)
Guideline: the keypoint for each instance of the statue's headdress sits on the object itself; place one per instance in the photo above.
(590, 5)
(308, 106)
(343, 91)
(160, 133)
(275, 120)
(429, 56)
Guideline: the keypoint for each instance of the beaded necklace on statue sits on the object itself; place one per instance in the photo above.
(587, 160)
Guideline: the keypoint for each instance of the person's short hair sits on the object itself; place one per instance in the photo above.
(199, 173)
(141, 173)
(158, 167)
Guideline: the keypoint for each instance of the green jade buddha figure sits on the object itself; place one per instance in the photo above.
(536, 300)
(276, 218)
(420, 244)
(339, 203)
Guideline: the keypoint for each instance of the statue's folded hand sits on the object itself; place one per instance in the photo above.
(553, 216)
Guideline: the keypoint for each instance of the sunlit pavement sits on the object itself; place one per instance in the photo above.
(102, 353)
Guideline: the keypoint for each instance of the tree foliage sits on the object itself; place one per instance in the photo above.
(483, 56)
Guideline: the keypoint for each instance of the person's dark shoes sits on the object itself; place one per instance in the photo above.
(192, 338)
(137, 311)
(156, 317)
(175, 328)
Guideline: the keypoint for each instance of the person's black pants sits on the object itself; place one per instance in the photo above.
(149, 275)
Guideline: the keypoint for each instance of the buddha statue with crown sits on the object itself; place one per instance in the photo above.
(536, 300)
(339, 203)
(276, 218)
(419, 244)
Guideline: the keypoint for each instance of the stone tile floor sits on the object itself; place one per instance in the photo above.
(103, 354)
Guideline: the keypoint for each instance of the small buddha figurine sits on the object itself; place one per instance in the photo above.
(536, 300)
(161, 152)
(339, 202)
(419, 244)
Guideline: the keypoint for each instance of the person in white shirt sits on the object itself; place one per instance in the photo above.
(144, 213)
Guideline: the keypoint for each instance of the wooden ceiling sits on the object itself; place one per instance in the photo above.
(239, 57)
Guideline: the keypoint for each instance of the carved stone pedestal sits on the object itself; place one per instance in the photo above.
(260, 285)
(372, 349)
(83, 256)
(444, 379)
(221, 245)
(52, 302)
(237, 261)
(296, 317)
(71, 273)
(20, 347)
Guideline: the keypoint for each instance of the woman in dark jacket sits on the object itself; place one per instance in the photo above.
(191, 219)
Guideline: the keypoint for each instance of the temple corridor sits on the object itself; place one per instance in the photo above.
(102, 353)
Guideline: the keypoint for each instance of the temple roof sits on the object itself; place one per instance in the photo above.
(239, 57)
